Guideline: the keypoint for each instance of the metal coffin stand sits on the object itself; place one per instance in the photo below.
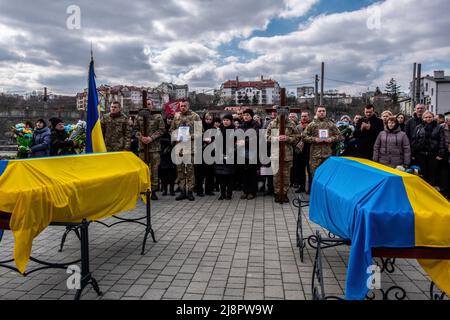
(147, 225)
(86, 276)
(387, 256)
(300, 202)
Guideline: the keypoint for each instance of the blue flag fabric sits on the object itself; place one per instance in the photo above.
(94, 136)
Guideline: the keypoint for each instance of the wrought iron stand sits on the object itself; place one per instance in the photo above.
(300, 203)
(86, 276)
(317, 286)
(147, 224)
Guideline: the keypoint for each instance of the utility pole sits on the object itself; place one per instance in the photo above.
(322, 83)
(413, 88)
(316, 91)
(418, 88)
(45, 102)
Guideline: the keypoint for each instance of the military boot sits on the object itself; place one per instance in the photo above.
(181, 196)
(190, 196)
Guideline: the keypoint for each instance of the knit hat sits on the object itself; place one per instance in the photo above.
(249, 111)
(228, 116)
(42, 121)
(55, 121)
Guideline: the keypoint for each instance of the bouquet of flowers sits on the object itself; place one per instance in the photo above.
(346, 130)
(77, 133)
(24, 136)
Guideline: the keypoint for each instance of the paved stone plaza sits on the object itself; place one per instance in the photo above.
(207, 249)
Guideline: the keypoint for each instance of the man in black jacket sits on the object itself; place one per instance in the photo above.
(411, 126)
(366, 133)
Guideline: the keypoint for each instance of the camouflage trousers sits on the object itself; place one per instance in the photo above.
(154, 161)
(314, 163)
(286, 178)
(185, 176)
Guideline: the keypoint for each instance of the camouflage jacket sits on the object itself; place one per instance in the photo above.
(321, 150)
(187, 119)
(116, 132)
(292, 133)
(155, 129)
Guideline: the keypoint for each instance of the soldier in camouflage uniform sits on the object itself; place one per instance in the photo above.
(185, 172)
(291, 138)
(155, 128)
(321, 133)
(116, 130)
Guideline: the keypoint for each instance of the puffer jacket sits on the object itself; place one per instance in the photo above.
(429, 140)
(392, 148)
(40, 146)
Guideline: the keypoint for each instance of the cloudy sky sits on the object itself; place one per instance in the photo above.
(206, 42)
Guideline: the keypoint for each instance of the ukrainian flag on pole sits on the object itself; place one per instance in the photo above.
(94, 135)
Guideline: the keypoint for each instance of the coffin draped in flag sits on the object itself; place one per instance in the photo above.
(36, 192)
(375, 206)
(94, 136)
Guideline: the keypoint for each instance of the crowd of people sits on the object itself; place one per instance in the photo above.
(392, 140)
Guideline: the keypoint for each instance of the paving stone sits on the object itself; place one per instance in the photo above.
(206, 250)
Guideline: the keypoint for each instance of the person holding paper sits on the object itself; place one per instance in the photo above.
(183, 124)
(321, 133)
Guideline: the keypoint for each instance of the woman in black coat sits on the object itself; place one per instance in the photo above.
(249, 169)
(204, 173)
(167, 169)
(428, 144)
(60, 143)
(225, 172)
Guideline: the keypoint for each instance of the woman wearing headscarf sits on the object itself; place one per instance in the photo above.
(225, 171)
(204, 173)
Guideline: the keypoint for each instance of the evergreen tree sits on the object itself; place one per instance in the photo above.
(255, 100)
(393, 90)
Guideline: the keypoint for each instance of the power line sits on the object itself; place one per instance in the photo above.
(298, 84)
(349, 82)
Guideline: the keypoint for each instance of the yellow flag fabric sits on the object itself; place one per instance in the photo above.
(431, 221)
(67, 189)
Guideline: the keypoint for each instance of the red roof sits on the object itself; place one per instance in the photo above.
(249, 84)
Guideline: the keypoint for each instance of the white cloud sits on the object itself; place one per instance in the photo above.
(297, 8)
(179, 40)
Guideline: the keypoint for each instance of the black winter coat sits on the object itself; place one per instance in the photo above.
(411, 125)
(224, 168)
(166, 150)
(251, 154)
(366, 138)
(429, 140)
(59, 143)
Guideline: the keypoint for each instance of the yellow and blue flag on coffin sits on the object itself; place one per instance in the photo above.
(94, 135)
(39, 191)
(376, 206)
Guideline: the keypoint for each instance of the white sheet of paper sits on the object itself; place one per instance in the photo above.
(183, 134)
(266, 171)
(323, 134)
